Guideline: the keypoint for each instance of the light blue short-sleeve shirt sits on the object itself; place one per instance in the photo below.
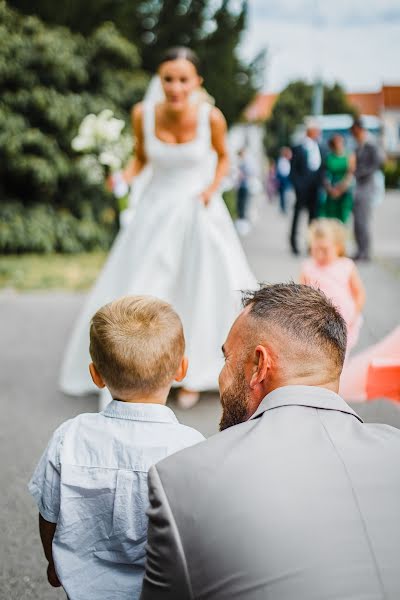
(92, 482)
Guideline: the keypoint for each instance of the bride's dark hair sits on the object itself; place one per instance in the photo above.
(178, 52)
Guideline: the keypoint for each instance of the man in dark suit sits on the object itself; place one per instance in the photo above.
(306, 176)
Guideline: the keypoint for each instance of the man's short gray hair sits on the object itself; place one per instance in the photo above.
(303, 312)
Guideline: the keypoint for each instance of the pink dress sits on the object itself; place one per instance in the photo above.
(334, 281)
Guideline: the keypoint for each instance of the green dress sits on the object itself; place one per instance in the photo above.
(340, 208)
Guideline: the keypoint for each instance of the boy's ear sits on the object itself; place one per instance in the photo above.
(182, 369)
(96, 377)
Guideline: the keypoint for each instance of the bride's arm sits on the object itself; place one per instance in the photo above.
(218, 142)
(139, 160)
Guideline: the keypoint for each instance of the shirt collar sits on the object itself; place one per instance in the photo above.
(136, 411)
(304, 395)
(310, 142)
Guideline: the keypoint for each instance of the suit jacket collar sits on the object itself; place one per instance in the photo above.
(304, 395)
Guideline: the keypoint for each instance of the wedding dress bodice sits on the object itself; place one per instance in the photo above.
(187, 165)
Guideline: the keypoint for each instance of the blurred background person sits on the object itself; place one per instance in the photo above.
(271, 182)
(329, 270)
(283, 176)
(242, 193)
(368, 161)
(339, 170)
(306, 175)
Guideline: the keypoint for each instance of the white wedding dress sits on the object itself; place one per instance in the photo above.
(177, 249)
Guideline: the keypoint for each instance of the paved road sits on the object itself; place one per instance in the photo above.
(34, 328)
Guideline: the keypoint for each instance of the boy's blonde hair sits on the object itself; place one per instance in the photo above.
(329, 228)
(136, 344)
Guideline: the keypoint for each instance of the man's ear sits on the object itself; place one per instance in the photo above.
(261, 366)
(96, 377)
(182, 369)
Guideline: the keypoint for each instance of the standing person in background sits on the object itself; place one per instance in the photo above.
(368, 161)
(242, 198)
(306, 176)
(339, 170)
(271, 183)
(283, 175)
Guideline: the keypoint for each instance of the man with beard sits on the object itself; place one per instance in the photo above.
(296, 499)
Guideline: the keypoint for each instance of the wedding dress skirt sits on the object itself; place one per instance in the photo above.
(178, 250)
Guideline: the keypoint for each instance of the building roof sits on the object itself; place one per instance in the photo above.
(368, 103)
(391, 96)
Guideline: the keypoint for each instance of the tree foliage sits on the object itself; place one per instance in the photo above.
(50, 79)
(335, 101)
(294, 103)
(213, 29)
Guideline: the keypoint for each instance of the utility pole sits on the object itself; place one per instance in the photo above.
(318, 97)
(317, 107)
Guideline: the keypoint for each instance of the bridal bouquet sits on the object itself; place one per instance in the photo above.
(104, 147)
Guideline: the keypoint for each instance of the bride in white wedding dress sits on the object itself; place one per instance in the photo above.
(180, 245)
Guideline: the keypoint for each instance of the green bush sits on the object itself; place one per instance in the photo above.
(50, 80)
(391, 170)
(210, 27)
(43, 229)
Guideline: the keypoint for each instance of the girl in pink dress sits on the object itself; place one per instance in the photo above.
(333, 273)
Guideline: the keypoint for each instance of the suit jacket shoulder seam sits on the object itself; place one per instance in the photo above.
(175, 532)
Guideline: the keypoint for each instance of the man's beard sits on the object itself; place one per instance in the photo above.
(234, 403)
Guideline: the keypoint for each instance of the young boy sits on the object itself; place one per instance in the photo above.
(91, 482)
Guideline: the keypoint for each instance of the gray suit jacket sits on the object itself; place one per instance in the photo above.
(369, 158)
(301, 502)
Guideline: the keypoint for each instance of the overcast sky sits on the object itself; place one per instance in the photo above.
(355, 42)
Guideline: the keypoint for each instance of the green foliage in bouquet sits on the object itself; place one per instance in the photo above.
(50, 79)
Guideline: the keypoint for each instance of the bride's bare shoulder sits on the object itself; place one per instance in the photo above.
(137, 111)
(137, 116)
(217, 119)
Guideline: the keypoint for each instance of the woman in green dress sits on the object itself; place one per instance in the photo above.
(339, 169)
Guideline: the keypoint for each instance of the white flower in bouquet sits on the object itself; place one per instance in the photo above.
(91, 169)
(105, 147)
(125, 147)
(97, 131)
(109, 159)
(108, 128)
(85, 140)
